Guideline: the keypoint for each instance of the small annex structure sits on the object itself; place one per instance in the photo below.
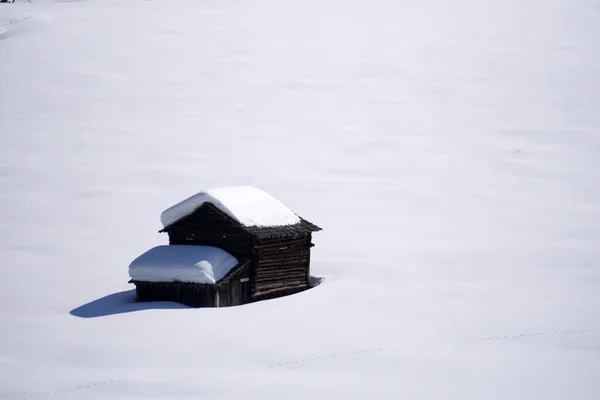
(198, 276)
(227, 246)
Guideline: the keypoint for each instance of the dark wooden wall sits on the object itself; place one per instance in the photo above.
(190, 294)
(232, 291)
(207, 226)
(281, 266)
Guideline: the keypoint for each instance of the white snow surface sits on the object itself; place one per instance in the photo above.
(182, 263)
(449, 149)
(248, 205)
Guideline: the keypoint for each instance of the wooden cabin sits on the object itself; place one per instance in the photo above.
(197, 276)
(271, 243)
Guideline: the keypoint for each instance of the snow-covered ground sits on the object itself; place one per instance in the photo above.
(449, 149)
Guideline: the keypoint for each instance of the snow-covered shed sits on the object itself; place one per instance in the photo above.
(249, 224)
(198, 276)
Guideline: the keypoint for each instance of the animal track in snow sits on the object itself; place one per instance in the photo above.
(321, 357)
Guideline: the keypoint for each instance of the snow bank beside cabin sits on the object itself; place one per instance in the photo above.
(193, 264)
(248, 205)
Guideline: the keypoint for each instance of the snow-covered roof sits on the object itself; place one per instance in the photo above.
(248, 205)
(182, 263)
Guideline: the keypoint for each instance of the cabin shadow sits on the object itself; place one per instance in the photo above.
(120, 303)
(315, 281)
(126, 302)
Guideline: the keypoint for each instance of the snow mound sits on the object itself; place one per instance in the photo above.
(246, 204)
(181, 263)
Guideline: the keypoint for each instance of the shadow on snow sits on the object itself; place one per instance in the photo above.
(126, 302)
(120, 303)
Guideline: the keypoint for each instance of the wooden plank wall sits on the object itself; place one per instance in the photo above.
(208, 228)
(190, 294)
(280, 266)
(235, 289)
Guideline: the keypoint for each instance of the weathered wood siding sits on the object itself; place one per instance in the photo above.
(280, 256)
(234, 290)
(190, 294)
(280, 267)
(209, 227)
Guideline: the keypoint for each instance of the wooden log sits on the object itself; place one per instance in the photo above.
(271, 291)
(282, 263)
(276, 284)
(283, 254)
(260, 274)
(282, 244)
(278, 279)
(281, 268)
(280, 271)
(274, 241)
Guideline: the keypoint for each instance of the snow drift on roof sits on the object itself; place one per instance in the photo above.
(246, 204)
(194, 264)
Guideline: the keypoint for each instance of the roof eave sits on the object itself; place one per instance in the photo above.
(307, 225)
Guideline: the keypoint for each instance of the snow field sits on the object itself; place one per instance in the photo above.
(448, 150)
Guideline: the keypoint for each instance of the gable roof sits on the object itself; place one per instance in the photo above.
(249, 206)
(252, 209)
